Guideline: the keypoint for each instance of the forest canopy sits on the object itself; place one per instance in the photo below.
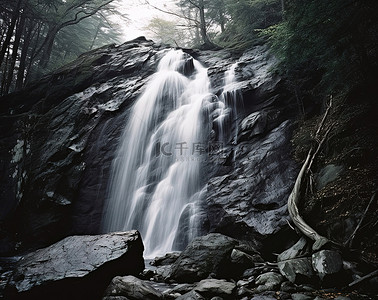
(312, 38)
(320, 43)
(38, 36)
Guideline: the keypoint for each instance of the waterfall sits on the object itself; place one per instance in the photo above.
(155, 176)
(230, 100)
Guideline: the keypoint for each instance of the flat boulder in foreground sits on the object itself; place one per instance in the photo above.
(77, 267)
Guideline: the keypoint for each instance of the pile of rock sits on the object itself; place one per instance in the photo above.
(218, 267)
(111, 267)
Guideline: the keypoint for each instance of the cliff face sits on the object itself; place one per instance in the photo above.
(59, 137)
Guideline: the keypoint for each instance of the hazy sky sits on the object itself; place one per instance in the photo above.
(140, 14)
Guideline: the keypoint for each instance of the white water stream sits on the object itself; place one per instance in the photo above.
(155, 175)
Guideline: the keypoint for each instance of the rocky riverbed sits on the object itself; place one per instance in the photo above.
(214, 266)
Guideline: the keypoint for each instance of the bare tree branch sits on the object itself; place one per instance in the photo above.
(171, 13)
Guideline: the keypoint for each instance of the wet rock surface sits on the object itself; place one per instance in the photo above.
(76, 267)
(61, 135)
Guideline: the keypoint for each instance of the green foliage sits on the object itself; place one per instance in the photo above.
(37, 36)
(336, 38)
(247, 17)
(168, 32)
(233, 24)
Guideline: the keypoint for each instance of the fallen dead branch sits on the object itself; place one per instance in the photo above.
(295, 194)
(368, 276)
(349, 241)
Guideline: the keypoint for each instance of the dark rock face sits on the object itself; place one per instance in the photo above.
(251, 177)
(60, 136)
(78, 267)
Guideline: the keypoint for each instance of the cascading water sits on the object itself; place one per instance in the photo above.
(230, 100)
(155, 175)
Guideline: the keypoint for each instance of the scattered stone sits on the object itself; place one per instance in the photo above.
(298, 296)
(249, 248)
(300, 249)
(306, 288)
(328, 174)
(296, 270)
(115, 298)
(283, 296)
(251, 272)
(215, 287)
(88, 262)
(242, 258)
(265, 296)
(170, 296)
(327, 262)
(162, 273)
(203, 256)
(165, 260)
(268, 282)
(243, 291)
(132, 287)
(241, 283)
(288, 287)
(182, 288)
(146, 274)
(192, 295)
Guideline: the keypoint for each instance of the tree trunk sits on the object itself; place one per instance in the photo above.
(283, 9)
(33, 53)
(24, 54)
(4, 72)
(16, 44)
(222, 20)
(203, 29)
(95, 36)
(9, 35)
(48, 46)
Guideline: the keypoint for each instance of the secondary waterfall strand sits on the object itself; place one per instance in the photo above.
(153, 177)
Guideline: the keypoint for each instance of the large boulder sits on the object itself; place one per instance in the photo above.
(78, 267)
(210, 254)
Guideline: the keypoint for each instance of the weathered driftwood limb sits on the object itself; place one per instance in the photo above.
(349, 241)
(293, 208)
(295, 194)
(368, 276)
